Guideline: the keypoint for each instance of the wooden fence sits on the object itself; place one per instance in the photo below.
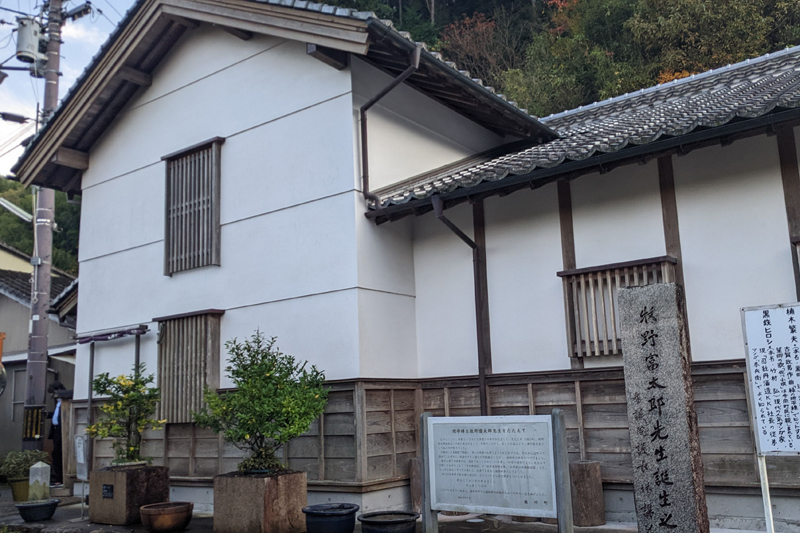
(369, 430)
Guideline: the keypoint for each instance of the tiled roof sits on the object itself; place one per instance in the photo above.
(526, 124)
(746, 90)
(17, 285)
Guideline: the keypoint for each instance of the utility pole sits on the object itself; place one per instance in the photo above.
(43, 221)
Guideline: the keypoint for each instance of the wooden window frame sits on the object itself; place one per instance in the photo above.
(215, 144)
(207, 343)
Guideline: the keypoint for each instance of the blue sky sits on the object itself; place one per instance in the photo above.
(19, 93)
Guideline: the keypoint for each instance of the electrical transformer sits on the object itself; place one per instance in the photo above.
(31, 43)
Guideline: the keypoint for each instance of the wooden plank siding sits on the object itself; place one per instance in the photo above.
(593, 401)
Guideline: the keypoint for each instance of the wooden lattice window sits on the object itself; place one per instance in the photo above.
(590, 301)
(188, 361)
(191, 236)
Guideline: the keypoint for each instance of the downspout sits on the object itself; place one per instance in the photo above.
(481, 307)
(413, 66)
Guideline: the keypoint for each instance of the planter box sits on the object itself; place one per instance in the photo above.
(257, 503)
(117, 493)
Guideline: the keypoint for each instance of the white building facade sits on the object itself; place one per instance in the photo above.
(386, 303)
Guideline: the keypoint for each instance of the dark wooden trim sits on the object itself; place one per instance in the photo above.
(482, 301)
(337, 59)
(192, 313)
(566, 223)
(241, 34)
(186, 23)
(612, 266)
(790, 176)
(193, 148)
(669, 213)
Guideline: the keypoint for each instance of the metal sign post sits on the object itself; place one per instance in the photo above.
(772, 353)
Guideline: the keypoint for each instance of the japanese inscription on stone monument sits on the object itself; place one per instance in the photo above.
(665, 449)
(493, 464)
(773, 368)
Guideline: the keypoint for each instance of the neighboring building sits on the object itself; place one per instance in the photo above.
(217, 151)
(15, 316)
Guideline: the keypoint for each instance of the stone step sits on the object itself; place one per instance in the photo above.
(60, 492)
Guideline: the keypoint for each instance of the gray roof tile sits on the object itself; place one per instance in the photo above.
(746, 90)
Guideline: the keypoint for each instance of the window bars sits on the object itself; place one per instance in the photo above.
(191, 236)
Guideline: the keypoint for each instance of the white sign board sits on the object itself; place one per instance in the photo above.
(492, 464)
(772, 345)
(81, 464)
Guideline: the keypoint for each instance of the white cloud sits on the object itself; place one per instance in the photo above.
(84, 35)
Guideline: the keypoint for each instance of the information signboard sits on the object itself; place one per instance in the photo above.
(772, 345)
(492, 464)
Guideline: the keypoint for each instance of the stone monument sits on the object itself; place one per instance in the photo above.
(665, 447)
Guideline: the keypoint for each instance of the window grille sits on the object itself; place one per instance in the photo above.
(191, 237)
(188, 362)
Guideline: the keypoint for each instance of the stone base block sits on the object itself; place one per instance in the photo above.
(119, 491)
(260, 503)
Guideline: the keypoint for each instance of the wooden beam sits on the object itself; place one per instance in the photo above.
(334, 58)
(787, 153)
(241, 34)
(135, 76)
(669, 213)
(183, 21)
(568, 260)
(482, 302)
(67, 157)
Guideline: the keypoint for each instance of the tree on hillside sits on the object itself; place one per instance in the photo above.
(19, 234)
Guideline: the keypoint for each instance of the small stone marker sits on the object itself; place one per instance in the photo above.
(665, 448)
(39, 482)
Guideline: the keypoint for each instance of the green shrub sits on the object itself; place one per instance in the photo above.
(131, 401)
(17, 465)
(276, 399)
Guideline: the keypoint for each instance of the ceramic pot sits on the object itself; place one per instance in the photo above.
(331, 518)
(389, 522)
(168, 516)
(38, 511)
(19, 489)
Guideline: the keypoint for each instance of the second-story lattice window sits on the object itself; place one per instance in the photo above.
(191, 236)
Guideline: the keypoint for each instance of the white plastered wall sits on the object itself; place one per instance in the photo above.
(526, 301)
(408, 132)
(617, 216)
(288, 236)
(734, 240)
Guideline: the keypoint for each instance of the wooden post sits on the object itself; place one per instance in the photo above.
(481, 303)
(430, 517)
(563, 486)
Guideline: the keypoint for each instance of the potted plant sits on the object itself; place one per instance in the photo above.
(120, 490)
(16, 468)
(275, 399)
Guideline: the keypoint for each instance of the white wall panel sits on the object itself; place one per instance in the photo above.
(617, 216)
(321, 329)
(526, 301)
(410, 133)
(295, 252)
(249, 93)
(387, 343)
(446, 337)
(734, 240)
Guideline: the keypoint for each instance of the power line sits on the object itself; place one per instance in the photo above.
(17, 12)
(112, 7)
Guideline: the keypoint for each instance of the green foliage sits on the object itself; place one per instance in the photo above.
(19, 234)
(276, 398)
(131, 401)
(17, 465)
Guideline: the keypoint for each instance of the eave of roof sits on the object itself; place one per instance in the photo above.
(733, 101)
(151, 27)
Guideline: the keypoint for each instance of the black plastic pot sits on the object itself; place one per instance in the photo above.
(389, 522)
(38, 511)
(331, 517)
